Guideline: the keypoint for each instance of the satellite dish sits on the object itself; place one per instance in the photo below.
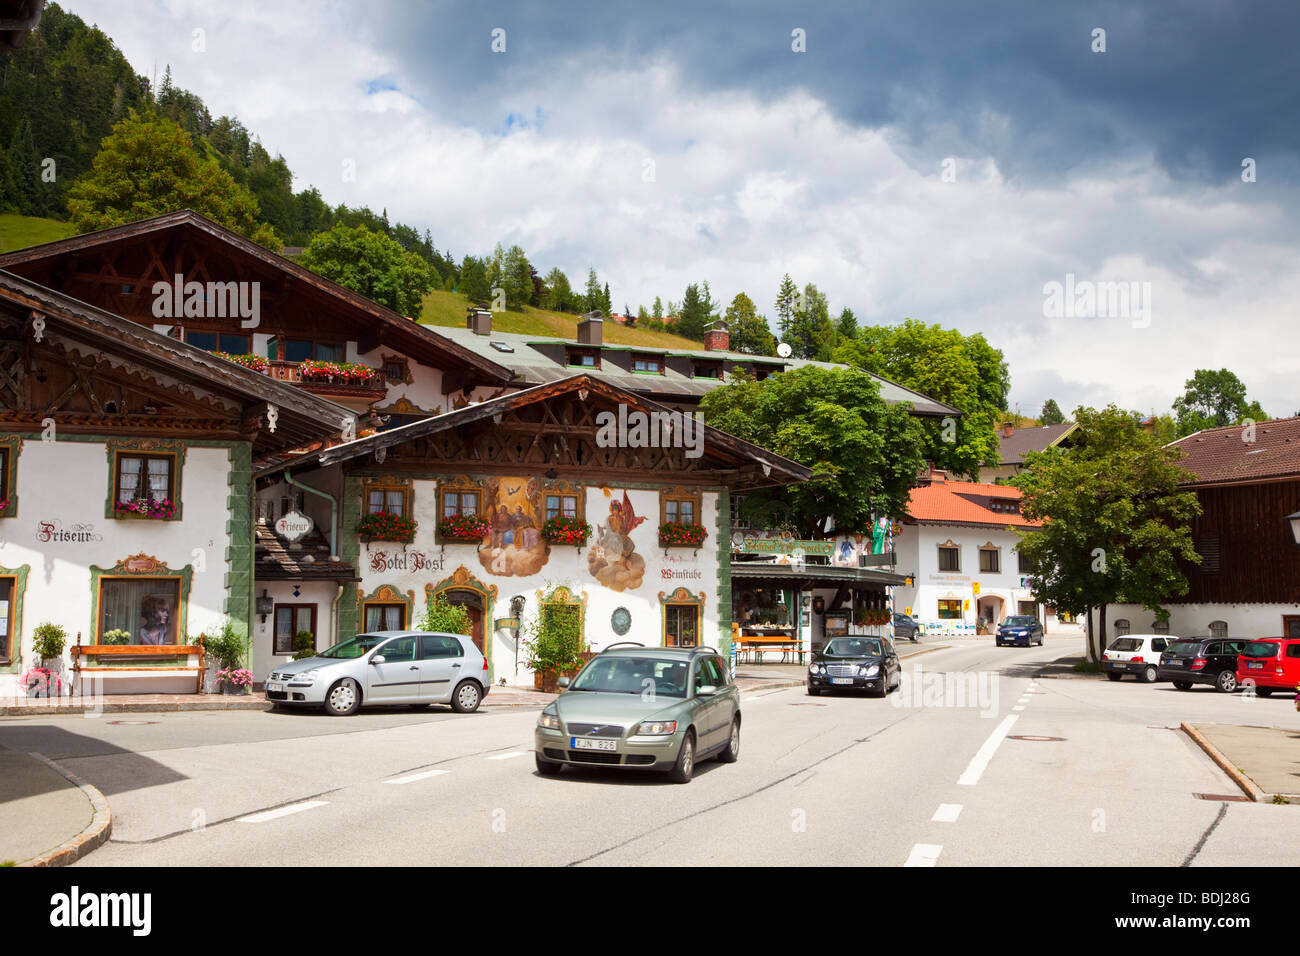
(784, 350)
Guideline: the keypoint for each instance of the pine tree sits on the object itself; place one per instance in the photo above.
(1051, 413)
(592, 299)
(606, 307)
(786, 299)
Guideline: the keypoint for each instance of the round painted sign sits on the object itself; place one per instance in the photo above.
(621, 621)
(293, 526)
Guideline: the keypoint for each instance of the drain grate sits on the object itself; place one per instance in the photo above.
(1034, 738)
(1223, 797)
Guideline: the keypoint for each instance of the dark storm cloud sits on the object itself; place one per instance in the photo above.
(1198, 84)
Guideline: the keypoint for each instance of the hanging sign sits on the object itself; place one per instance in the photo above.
(293, 526)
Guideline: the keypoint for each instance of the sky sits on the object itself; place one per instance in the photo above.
(1108, 192)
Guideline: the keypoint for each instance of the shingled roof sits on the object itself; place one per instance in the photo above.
(1013, 448)
(1235, 455)
(964, 502)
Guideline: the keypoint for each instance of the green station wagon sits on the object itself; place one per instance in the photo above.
(643, 708)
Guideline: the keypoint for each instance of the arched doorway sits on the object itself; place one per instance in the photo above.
(472, 602)
(474, 596)
(990, 608)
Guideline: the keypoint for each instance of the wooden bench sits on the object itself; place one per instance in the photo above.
(757, 646)
(139, 668)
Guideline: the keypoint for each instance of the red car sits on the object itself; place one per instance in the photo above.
(1270, 663)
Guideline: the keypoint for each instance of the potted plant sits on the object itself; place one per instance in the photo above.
(145, 508)
(234, 680)
(681, 534)
(338, 373)
(304, 645)
(48, 642)
(227, 651)
(257, 363)
(563, 529)
(116, 636)
(554, 645)
(464, 528)
(386, 526)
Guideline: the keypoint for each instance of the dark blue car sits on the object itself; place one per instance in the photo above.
(1020, 630)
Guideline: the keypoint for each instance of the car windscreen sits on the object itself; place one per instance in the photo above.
(634, 675)
(852, 647)
(1015, 621)
(1126, 644)
(1260, 649)
(357, 646)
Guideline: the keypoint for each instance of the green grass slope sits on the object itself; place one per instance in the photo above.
(448, 309)
(19, 232)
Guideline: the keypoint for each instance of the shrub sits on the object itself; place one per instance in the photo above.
(227, 648)
(554, 639)
(48, 641)
(304, 645)
(447, 618)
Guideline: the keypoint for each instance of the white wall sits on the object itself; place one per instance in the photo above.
(566, 565)
(1193, 620)
(320, 593)
(64, 485)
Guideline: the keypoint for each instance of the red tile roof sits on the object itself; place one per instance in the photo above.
(1225, 455)
(964, 502)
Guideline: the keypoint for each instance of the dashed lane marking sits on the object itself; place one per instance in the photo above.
(924, 854)
(981, 759)
(947, 813)
(282, 811)
(411, 778)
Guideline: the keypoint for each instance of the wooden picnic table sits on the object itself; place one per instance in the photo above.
(757, 645)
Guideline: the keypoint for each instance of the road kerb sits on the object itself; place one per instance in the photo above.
(94, 835)
(1239, 778)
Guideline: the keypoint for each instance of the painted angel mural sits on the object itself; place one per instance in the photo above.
(613, 560)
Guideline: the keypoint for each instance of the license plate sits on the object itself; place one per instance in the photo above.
(275, 687)
(841, 680)
(1255, 665)
(582, 743)
(1173, 663)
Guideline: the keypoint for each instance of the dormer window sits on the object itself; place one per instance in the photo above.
(583, 358)
(708, 370)
(651, 366)
(1005, 505)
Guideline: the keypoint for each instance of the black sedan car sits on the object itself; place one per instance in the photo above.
(1020, 630)
(855, 663)
(1201, 661)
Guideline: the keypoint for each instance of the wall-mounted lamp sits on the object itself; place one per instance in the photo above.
(265, 605)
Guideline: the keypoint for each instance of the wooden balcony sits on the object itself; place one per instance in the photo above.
(351, 394)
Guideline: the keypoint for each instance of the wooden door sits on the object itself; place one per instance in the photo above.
(1291, 625)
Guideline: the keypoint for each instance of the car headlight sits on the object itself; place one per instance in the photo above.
(656, 728)
(548, 720)
(306, 677)
(816, 669)
(871, 671)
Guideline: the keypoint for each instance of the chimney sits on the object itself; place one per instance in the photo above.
(591, 329)
(1007, 429)
(478, 321)
(717, 339)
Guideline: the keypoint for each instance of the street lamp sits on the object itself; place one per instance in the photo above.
(1294, 521)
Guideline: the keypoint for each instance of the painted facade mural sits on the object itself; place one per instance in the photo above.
(515, 546)
(613, 560)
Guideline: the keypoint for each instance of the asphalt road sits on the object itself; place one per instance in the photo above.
(936, 775)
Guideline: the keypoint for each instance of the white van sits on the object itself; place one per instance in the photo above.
(1137, 654)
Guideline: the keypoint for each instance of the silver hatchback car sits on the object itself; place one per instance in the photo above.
(416, 668)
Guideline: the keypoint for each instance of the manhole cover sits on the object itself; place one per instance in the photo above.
(131, 721)
(1223, 797)
(1034, 738)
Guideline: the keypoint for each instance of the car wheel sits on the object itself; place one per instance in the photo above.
(1149, 675)
(1183, 684)
(1226, 682)
(731, 753)
(547, 768)
(343, 698)
(1114, 676)
(466, 698)
(685, 766)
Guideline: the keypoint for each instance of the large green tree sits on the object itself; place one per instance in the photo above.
(695, 313)
(1051, 413)
(1213, 399)
(373, 265)
(963, 371)
(748, 331)
(864, 453)
(786, 302)
(148, 166)
(810, 331)
(1116, 525)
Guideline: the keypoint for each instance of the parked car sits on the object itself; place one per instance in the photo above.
(1270, 663)
(855, 663)
(1201, 661)
(906, 627)
(416, 668)
(643, 708)
(1137, 654)
(1019, 630)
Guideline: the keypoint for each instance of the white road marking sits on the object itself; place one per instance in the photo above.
(947, 813)
(513, 753)
(1023, 700)
(981, 759)
(1019, 707)
(924, 854)
(282, 811)
(422, 775)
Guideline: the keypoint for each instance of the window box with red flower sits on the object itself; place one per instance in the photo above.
(386, 526)
(470, 527)
(258, 363)
(680, 534)
(566, 529)
(159, 509)
(339, 373)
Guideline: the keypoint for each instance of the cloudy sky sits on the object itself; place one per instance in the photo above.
(940, 161)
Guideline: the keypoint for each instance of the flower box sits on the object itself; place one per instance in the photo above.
(258, 363)
(470, 527)
(147, 508)
(679, 534)
(565, 530)
(386, 526)
(338, 373)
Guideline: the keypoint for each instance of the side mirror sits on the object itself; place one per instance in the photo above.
(377, 659)
(562, 682)
(708, 690)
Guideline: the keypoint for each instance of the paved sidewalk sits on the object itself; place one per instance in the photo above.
(48, 817)
(1263, 761)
